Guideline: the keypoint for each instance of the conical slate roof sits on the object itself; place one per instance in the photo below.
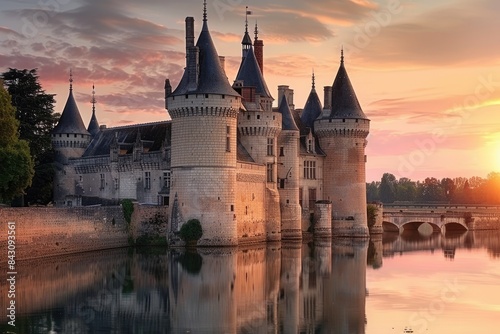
(93, 127)
(344, 101)
(312, 109)
(246, 39)
(251, 75)
(71, 120)
(287, 121)
(211, 79)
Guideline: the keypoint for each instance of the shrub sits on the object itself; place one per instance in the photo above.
(191, 230)
(371, 211)
(128, 209)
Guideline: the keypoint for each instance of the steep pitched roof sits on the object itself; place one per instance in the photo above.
(345, 104)
(312, 109)
(71, 120)
(93, 127)
(251, 75)
(211, 77)
(152, 135)
(287, 121)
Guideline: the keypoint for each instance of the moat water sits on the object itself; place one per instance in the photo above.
(431, 284)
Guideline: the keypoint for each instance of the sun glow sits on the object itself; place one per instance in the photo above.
(494, 148)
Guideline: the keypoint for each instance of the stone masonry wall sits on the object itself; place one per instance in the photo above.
(51, 231)
(250, 206)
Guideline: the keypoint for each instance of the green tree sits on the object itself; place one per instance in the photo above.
(387, 188)
(35, 112)
(191, 230)
(449, 188)
(372, 191)
(16, 165)
(406, 190)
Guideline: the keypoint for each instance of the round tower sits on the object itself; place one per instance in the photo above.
(288, 173)
(69, 140)
(342, 133)
(204, 109)
(258, 130)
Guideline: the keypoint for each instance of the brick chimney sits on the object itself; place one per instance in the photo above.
(192, 55)
(259, 53)
(327, 103)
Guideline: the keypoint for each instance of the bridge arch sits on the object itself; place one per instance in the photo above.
(414, 225)
(389, 227)
(455, 227)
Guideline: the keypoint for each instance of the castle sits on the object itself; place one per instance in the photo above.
(247, 170)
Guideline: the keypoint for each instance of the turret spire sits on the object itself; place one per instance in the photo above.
(342, 56)
(313, 81)
(256, 31)
(93, 101)
(246, 19)
(246, 43)
(70, 79)
(93, 127)
(204, 10)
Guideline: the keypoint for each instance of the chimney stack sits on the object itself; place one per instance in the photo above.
(327, 103)
(285, 90)
(259, 53)
(222, 61)
(192, 55)
(168, 91)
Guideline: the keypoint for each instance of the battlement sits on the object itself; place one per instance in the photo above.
(344, 127)
(203, 105)
(259, 123)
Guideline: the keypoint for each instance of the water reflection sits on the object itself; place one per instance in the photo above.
(318, 287)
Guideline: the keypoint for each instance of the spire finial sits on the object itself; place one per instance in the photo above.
(313, 80)
(246, 19)
(342, 55)
(93, 101)
(204, 10)
(70, 79)
(256, 31)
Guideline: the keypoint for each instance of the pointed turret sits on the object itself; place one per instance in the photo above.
(71, 121)
(70, 139)
(288, 172)
(246, 42)
(250, 75)
(288, 123)
(204, 110)
(345, 104)
(312, 108)
(93, 127)
(342, 132)
(204, 73)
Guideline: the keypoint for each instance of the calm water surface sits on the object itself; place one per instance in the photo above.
(431, 284)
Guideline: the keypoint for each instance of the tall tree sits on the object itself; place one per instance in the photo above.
(16, 165)
(35, 112)
(387, 188)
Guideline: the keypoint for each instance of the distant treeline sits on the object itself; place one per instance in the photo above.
(460, 190)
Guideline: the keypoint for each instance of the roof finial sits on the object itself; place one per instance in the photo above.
(246, 19)
(70, 79)
(313, 80)
(204, 10)
(342, 55)
(93, 101)
(256, 31)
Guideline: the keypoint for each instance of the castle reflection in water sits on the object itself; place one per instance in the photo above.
(316, 287)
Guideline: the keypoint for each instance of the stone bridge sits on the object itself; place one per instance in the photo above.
(440, 222)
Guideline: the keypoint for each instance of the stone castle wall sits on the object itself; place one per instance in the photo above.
(51, 231)
(250, 205)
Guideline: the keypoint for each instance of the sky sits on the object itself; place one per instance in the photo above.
(427, 73)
